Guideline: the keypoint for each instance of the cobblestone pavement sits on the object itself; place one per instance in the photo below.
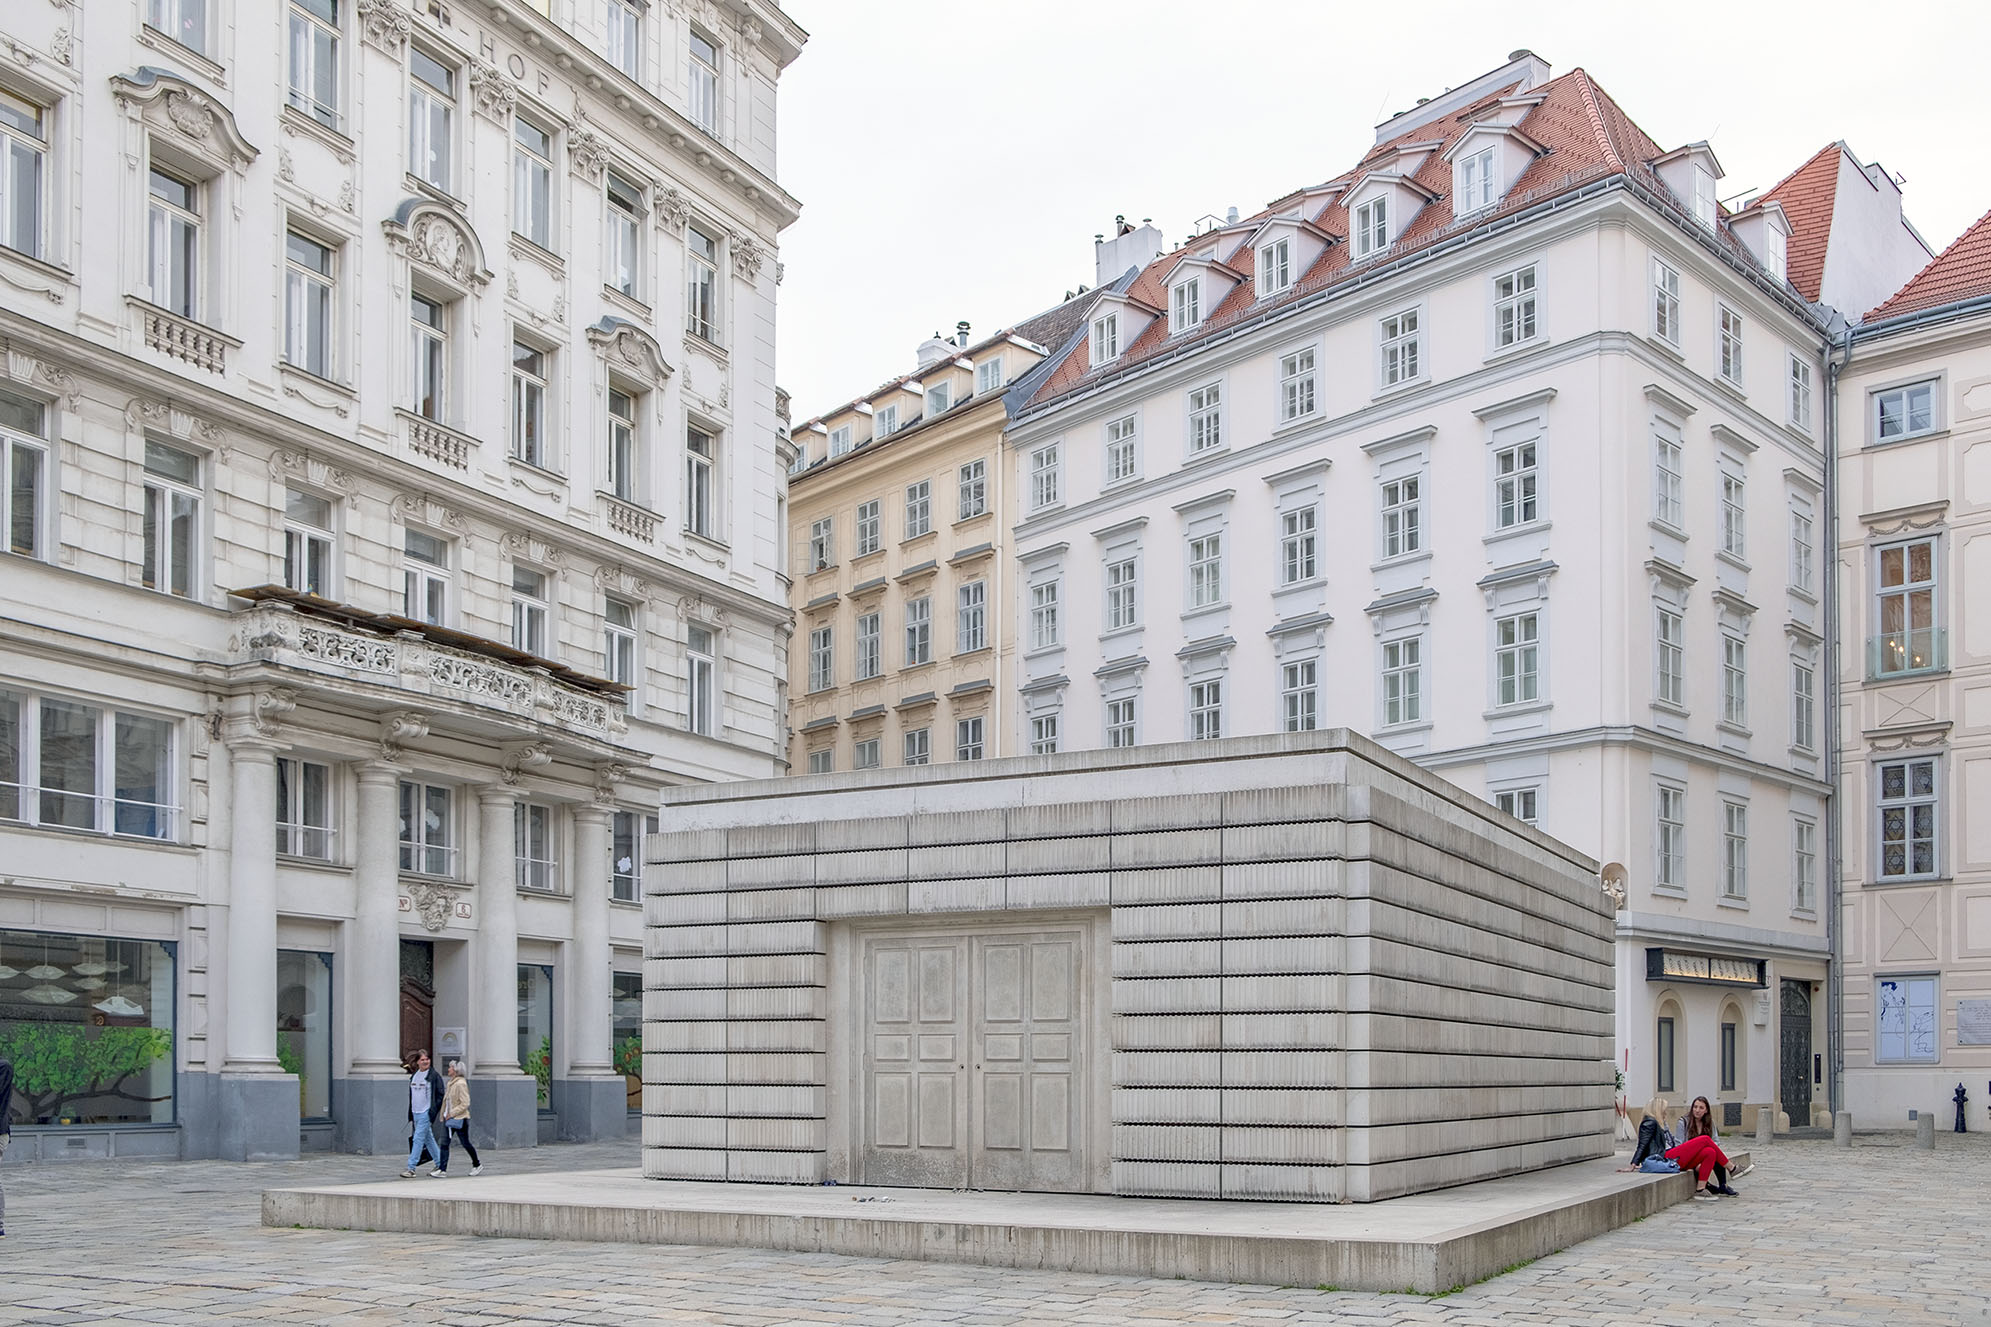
(1880, 1234)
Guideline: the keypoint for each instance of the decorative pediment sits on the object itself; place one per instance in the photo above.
(309, 470)
(170, 104)
(630, 349)
(433, 237)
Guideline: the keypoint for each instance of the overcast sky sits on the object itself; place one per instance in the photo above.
(955, 160)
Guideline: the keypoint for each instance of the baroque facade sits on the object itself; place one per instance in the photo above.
(393, 461)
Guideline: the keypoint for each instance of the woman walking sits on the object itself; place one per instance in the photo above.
(456, 1120)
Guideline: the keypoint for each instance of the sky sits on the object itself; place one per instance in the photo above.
(954, 161)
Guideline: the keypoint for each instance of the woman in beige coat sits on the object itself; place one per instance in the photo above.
(456, 1120)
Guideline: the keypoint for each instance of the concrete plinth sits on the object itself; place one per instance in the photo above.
(504, 1111)
(1842, 1129)
(258, 1117)
(1925, 1132)
(372, 1115)
(591, 1110)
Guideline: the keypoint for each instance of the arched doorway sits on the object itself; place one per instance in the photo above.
(1794, 1069)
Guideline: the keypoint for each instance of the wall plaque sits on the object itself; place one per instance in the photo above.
(1973, 1022)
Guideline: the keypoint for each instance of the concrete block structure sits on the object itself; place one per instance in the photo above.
(1279, 968)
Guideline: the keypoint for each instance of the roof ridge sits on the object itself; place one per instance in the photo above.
(1975, 234)
(1589, 91)
(1808, 163)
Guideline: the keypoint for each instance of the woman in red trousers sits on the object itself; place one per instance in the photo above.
(1699, 1152)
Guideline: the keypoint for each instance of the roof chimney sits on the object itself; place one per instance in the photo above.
(1129, 247)
(961, 333)
(1230, 217)
(934, 349)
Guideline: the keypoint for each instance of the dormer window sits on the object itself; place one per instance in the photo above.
(885, 423)
(840, 440)
(1106, 339)
(988, 375)
(1275, 267)
(1475, 182)
(1185, 308)
(1704, 201)
(1372, 227)
(1776, 253)
(938, 398)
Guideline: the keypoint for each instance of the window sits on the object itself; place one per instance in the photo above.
(627, 830)
(1665, 302)
(1206, 709)
(1299, 695)
(1905, 412)
(1517, 659)
(1514, 484)
(1905, 610)
(840, 440)
(308, 284)
(1206, 419)
(304, 809)
(864, 754)
(1803, 551)
(1275, 267)
(185, 21)
(620, 445)
(622, 24)
(868, 526)
(822, 658)
(1776, 254)
(1401, 345)
(1120, 722)
(1106, 339)
(1402, 680)
(1704, 203)
(425, 578)
(529, 405)
(1521, 803)
(703, 82)
(172, 519)
(1804, 865)
(621, 645)
(534, 865)
(1907, 1031)
(701, 681)
(974, 489)
(1402, 530)
(1206, 570)
(75, 766)
(622, 264)
(529, 597)
(701, 284)
(1672, 653)
(1734, 850)
(1908, 807)
(1804, 703)
(1296, 385)
(23, 159)
(919, 508)
(1044, 734)
(1475, 181)
(1045, 472)
(88, 1068)
(1668, 481)
(869, 661)
(1514, 308)
(173, 241)
(427, 842)
(1123, 605)
(532, 182)
(313, 47)
(1298, 559)
(701, 455)
(23, 476)
(1727, 1056)
(1734, 509)
(939, 398)
(1734, 681)
(968, 739)
(428, 344)
(1663, 1054)
(1372, 227)
(919, 631)
(1122, 463)
(1730, 346)
(431, 112)
(1800, 416)
(1185, 305)
(971, 618)
(822, 761)
(307, 544)
(918, 746)
(988, 376)
(1044, 627)
(885, 422)
(1670, 837)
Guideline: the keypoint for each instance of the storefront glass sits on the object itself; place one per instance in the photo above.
(628, 1033)
(535, 1025)
(304, 1028)
(88, 1025)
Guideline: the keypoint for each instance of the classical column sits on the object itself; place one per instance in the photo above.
(259, 1105)
(594, 1100)
(373, 958)
(504, 1102)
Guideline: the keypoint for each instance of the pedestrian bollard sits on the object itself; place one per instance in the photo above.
(1842, 1128)
(1766, 1124)
(1925, 1131)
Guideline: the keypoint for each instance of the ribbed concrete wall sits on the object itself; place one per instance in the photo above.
(1333, 976)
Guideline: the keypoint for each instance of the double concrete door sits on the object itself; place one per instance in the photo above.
(973, 1059)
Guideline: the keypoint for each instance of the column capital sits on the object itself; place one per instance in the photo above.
(379, 772)
(592, 813)
(494, 794)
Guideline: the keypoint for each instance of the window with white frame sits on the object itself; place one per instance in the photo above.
(1804, 550)
(1185, 307)
(1044, 734)
(172, 522)
(1403, 680)
(428, 346)
(1476, 182)
(1704, 201)
(822, 760)
(1402, 528)
(1904, 412)
(1121, 722)
(1372, 227)
(939, 398)
(919, 508)
(1669, 836)
(1206, 569)
(822, 543)
(621, 446)
(1734, 850)
(428, 837)
(1296, 385)
(1668, 479)
(988, 375)
(529, 377)
(839, 440)
(1800, 394)
(1274, 267)
(312, 46)
(627, 830)
(1670, 651)
(1299, 544)
(919, 630)
(869, 529)
(1206, 709)
(310, 279)
(1105, 339)
(535, 862)
(1734, 681)
(968, 738)
(702, 78)
(1123, 598)
(530, 596)
(71, 765)
(622, 31)
(701, 284)
(701, 680)
(973, 485)
(1044, 625)
(1908, 812)
(869, 655)
(884, 422)
(622, 235)
(701, 482)
(425, 578)
(1907, 1029)
(1122, 449)
(864, 754)
(1514, 307)
(1524, 804)
(621, 643)
(1907, 608)
(917, 746)
(1804, 864)
(822, 658)
(23, 170)
(304, 809)
(307, 543)
(1206, 418)
(971, 617)
(1515, 479)
(1046, 471)
(532, 182)
(173, 242)
(1517, 659)
(431, 120)
(185, 21)
(1299, 695)
(1804, 705)
(1402, 346)
(1665, 303)
(1734, 514)
(1729, 345)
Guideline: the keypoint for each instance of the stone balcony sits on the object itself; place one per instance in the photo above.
(436, 441)
(183, 338)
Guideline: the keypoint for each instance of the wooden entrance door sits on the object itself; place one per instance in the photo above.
(418, 998)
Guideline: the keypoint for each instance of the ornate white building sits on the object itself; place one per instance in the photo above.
(392, 496)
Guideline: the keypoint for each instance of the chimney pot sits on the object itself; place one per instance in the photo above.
(1521, 54)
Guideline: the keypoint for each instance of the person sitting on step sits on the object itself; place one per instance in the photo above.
(1700, 1152)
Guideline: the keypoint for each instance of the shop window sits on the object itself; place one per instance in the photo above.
(535, 1025)
(1728, 1030)
(626, 1030)
(87, 1023)
(304, 1028)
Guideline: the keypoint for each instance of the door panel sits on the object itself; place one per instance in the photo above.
(1026, 1020)
(915, 1089)
(1795, 1060)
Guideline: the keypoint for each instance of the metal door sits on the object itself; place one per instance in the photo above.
(1794, 1075)
(1024, 1114)
(915, 1122)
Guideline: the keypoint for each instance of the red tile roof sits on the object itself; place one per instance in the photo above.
(1807, 195)
(1960, 272)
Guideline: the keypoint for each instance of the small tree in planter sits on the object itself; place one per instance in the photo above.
(59, 1064)
(629, 1063)
(540, 1065)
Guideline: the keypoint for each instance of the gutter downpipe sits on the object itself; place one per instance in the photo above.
(1836, 358)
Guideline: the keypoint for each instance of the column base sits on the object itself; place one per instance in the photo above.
(591, 1110)
(504, 1110)
(257, 1117)
(372, 1115)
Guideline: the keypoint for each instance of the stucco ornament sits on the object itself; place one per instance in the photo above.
(587, 154)
(272, 707)
(673, 208)
(748, 255)
(432, 903)
(400, 728)
(191, 113)
(493, 93)
(628, 347)
(385, 24)
(523, 759)
(432, 236)
(607, 779)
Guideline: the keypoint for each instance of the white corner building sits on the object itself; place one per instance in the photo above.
(391, 490)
